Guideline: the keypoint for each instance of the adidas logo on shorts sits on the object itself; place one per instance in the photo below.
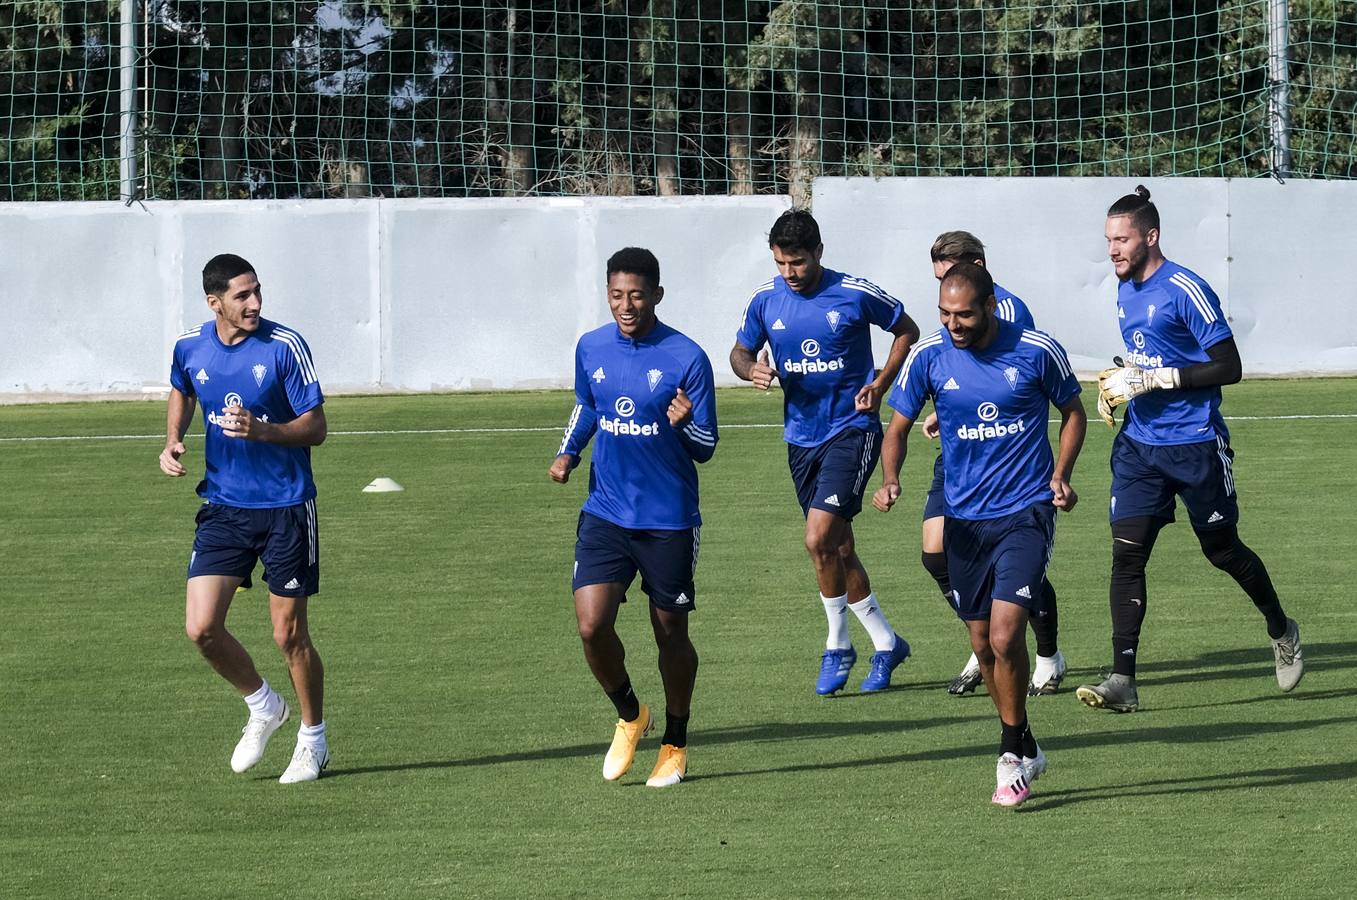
(832, 500)
(1024, 593)
(292, 585)
(1215, 517)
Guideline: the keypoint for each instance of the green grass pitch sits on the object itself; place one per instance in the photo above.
(468, 734)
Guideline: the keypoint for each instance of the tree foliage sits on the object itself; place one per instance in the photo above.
(246, 98)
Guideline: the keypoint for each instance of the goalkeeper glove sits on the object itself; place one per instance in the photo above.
(1122, 384)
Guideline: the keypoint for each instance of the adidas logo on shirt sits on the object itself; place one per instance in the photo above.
(951, 385)
(1024, 593)
(832, 500)
(1121, 312)
(292, 585)
(598, 374)
(201, 377)
(778, 326)
(1215, 517)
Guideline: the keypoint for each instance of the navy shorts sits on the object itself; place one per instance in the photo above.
(231, 539)
(936, 504)
(999, 559)
(833, 476)
(1146, 478)
(606, 553)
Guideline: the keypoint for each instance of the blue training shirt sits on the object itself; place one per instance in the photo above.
(1171, 319)
(271, 374)
(821, 346)
(992, 409)
(1009, 307)
(642, 474)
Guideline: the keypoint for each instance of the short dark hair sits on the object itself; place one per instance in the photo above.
(796, 229)
(978, 277)
(220, 269)
(957, 246)
(637, 261)
(1143, 213)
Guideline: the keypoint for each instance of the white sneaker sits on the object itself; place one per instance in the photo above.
(1047, 675)
(307, 764)
(255, 737)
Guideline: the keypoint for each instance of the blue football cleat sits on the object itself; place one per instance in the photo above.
(883, 664)
(834, 668)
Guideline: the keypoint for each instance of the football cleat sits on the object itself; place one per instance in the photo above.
(1286, 651)
(1117, 693)
(969, 679)
(883, 664)
(1034, 766)
(625, 738)
(307, 764)
(834, 668)
(255, 737)
(1012, 786)
(670, 767)
(1047, 675)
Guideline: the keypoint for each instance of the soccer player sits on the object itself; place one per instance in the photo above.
(817, 324)
(950, 248)
(990, 382)
(256, 383)
(647, 390)
(1173, 441)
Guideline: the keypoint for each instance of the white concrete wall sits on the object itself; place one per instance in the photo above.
(491, 294)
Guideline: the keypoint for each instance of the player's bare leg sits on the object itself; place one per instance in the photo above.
(293, 637)
(208, 601)
(596, 608)
(1000, 644)
(678, 670)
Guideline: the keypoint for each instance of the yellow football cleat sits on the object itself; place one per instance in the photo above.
(625, 739)
(670, 767)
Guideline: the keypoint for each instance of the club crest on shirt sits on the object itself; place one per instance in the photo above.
(259, 372)
(833, 317)
(1011, 373)
(1150, 312)
(653, 377)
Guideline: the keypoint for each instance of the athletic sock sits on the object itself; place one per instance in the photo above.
(1046, 622)
(675, 730)
(1128, 613)
(313, 736)
(624, 698)
(1248, 570)
(874, 620)
(836, 611)
(1029, 743)
(264, 702)
(936, 564)
(1011, 739)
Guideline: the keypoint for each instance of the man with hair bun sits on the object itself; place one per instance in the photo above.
(1173, 443)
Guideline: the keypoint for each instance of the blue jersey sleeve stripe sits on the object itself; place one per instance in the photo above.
(694, 428)
(744, 317)
(1047, 343)
(871, 290)
(932, 340)
(698, 436)
(570, 427)
(299, 351)
(1194, 291)
(191, 333)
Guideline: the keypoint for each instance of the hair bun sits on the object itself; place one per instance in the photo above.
(1143, 191)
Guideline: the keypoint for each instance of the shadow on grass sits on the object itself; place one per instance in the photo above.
(1200, 784)
(1244, 662)
(767, 732)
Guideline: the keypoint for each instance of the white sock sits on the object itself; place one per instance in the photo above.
(836, 611)
(874, 620)
(264, 702)
(973, 662)
(312, 736)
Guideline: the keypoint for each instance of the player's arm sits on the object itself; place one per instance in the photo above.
(747, 367)
(580, 427)
(894, 447)
(1073, 426)
(307, 430)
(694, 416)
(178, 416)
(1123, 383)
(906, 333)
